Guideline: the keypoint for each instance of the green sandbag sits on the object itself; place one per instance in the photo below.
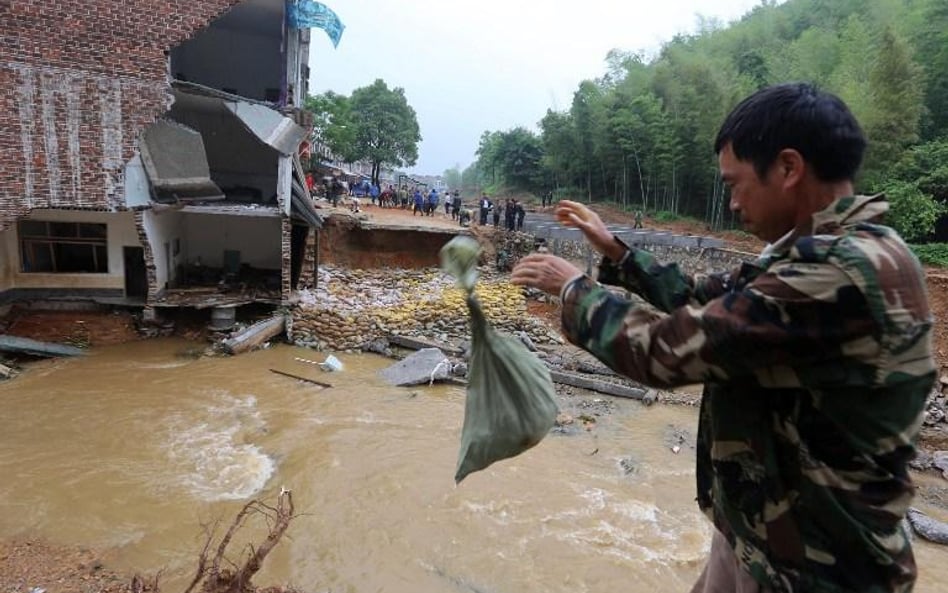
(510, 405)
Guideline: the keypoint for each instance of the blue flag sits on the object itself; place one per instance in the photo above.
(311, 14)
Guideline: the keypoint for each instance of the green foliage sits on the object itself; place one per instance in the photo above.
(643, 132)
(385, 127)
(331, 123)
(911, 212)
(513, 158)
(896, 105)
(932, 254)
(926, 165)
(665, 216)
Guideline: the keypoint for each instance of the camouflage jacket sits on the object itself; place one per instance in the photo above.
(817, 363)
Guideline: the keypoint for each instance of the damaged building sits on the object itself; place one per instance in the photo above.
(150, 156)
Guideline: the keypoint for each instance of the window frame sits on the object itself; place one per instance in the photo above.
(93, 235)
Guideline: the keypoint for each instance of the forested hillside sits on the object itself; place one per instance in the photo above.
(641, 134)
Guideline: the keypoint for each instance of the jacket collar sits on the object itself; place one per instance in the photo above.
(845, 211)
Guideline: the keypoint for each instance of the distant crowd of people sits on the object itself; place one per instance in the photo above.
(426, 202)
(511, 210)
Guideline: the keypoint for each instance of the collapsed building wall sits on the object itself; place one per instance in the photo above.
(75, 97)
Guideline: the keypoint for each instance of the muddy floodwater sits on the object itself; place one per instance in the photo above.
(131, 449)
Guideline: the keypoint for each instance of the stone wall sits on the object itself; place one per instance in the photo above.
(79, 81)
(692, 260)
(352, 308)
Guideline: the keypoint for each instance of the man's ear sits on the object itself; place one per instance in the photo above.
(791, 167)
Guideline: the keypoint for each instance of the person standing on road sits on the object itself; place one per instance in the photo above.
(498, 210)
(419, 202)
(816, 359)
(520, 213)
(485, 206)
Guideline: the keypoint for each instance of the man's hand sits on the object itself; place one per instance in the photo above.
(545, 272)
(576, 215)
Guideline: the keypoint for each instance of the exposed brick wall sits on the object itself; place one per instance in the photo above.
(151, 271)
(79, 81)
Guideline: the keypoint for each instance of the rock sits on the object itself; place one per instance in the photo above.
(676, 437)
(563, 419)
(459, 369)
(423, 366)
(628, 466)
(379, 346)
(940, 461)
(928, 528)
(922, 461)
(527, 341)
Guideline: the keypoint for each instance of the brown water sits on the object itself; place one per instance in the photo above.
(132, 448)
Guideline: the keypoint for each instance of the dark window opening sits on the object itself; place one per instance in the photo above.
(63, 247)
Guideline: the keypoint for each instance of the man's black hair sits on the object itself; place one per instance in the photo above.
(815, 123)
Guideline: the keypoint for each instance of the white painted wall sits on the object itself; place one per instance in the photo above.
(121, 233)
(163, 228)
(257, 238)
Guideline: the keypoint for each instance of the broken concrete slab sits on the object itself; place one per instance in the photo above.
(416, 343)
(606, 387)
(425, 366)
(255, 335)
(20, 345)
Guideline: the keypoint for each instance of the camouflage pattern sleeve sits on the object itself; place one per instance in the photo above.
(791, 320)
(665, 286)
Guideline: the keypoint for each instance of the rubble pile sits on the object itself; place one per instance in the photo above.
(350, 308)
(936, 412)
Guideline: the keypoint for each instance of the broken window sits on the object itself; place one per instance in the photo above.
(63, 247)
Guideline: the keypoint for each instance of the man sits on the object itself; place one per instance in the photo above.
(485, 206)
(456, 205)
(816, 359)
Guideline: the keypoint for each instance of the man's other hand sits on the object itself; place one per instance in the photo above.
(576, 215)
(545, 272)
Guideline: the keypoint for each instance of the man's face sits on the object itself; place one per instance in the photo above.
(766, 210)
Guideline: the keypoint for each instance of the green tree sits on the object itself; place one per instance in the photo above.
(583, 112)
(558, 138)
(911, 212)
(931, 42)
(520, 156)
(384, 126)
(489, 158)
(896, 105)
(332, 126)
(470, 178)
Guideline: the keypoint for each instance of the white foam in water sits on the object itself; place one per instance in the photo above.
(211, 452)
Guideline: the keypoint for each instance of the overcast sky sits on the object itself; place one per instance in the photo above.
(469, 66)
